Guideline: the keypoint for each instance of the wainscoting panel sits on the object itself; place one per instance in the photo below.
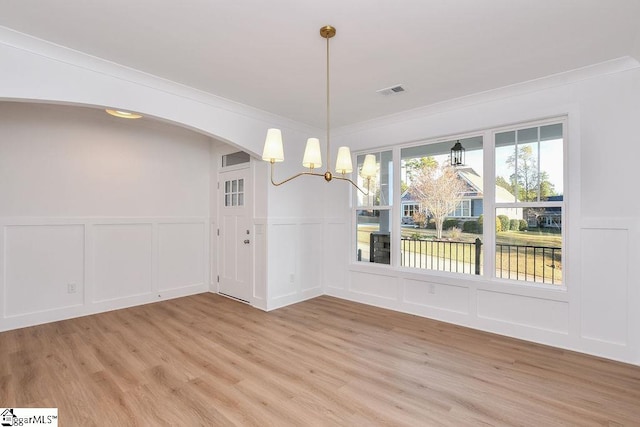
(436, 295)
(336, 254)
(374, 285)
(44, 268)
(122, 260)
(539, 313)
(310, 256)
(283, 252)
(605, 285)
(181, 255)
(57, 268)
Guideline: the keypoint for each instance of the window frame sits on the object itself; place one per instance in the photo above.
(373, 207)
(489, 260)
(489, 205)
(462, 209)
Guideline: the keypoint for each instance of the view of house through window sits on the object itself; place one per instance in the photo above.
(443, 229)
(529, 165)
(443, 209)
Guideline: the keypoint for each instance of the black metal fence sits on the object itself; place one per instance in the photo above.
(532, 263)
(518, 262)
(445, 255)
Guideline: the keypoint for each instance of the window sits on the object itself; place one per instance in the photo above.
(529, 207)
(463, 209)
(438, 239)
(373, 212)
(234, 192)
(447, 224)
(237, 158)
(410, 209)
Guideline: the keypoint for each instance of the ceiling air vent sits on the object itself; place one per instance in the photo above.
(393, 90)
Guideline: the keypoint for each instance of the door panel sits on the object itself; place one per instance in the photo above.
(236, 240)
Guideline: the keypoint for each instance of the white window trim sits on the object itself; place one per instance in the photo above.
(489, 205)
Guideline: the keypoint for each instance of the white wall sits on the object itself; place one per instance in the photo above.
(599, 313)
(116, 209)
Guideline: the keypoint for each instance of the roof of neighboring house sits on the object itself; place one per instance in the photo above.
(475, 187)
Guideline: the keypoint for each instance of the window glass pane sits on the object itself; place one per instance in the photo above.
(527, 173)
(241, 199)
(529, 244)
(234, 200)
(227, 200)
(235, 158)
(373, 235)
(442, 207)
(227, 186)
(551, 163)
(529, 164)
(380, 187)
(506, 167)
(234, 185)
(241, 185)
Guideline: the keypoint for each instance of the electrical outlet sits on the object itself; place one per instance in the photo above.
(72, 288)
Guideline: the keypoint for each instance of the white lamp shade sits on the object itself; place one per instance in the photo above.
(343, 162)
(369, 166)
(273, 151)
(312, 157)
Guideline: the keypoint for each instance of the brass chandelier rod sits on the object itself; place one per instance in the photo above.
(329, 32)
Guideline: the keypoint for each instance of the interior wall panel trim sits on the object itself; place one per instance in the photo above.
(605, 289)
(543, 314)
(43, 268)
(182, 255)
(122, 260)
(436, 295)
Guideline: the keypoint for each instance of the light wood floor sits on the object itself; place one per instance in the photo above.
(208, 360)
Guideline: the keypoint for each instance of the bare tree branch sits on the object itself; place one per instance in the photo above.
(439, 190)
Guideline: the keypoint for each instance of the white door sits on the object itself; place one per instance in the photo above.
(235, 240)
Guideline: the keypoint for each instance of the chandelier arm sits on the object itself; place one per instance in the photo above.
(291, 177)
(366, 193)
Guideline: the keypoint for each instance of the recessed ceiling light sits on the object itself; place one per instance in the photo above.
(123, 114)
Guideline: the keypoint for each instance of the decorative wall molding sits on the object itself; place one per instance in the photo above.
(57, 268)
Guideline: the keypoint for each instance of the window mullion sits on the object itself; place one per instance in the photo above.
(489, 197)
(396, 229)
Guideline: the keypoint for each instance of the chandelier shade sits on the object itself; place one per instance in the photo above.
(343, 162)
(312, 157)
(273, 150)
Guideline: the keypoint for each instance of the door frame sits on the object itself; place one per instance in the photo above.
(216, 234)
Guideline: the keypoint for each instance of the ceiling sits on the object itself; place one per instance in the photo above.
(269, 54)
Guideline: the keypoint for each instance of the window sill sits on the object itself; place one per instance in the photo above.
(529, 289)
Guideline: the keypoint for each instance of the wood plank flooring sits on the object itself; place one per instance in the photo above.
(208, 360)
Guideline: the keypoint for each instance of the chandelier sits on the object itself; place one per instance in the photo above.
(273, 151)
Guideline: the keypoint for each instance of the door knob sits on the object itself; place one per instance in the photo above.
(246, 242)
